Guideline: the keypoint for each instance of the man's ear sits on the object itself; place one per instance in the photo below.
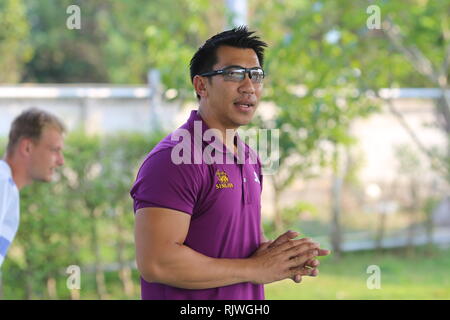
(25, 146)
(200, 86)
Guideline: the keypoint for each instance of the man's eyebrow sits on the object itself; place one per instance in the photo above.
(238, 66)
(234, 66)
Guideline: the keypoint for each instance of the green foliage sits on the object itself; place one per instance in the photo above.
(294, 218)
(86, 210)
(402, 277)
(291, 215)
(409, 162)
(320, 60)
(118, 41)
(314, 81)
(61, 54)
(324, 47)
(161, 35)
(15, 49)
(430, 204)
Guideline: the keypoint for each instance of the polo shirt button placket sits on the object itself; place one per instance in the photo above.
(245, 186)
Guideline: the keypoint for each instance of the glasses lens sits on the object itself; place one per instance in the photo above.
(235, 74)
(257, 75)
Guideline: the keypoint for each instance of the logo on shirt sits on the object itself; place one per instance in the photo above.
(223, 180)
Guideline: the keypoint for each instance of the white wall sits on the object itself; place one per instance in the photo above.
(105, 109)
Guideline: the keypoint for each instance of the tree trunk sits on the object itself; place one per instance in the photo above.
(75, 294)
(339, 172)
(124, 270)
(278, 218)
(429, 232)
(381, 230)
(28, 276)
(336, 236)
(127, 282)
(429, 229)
(29, 288)
(99, 276)
(415, 206)
(411, 233)
(74, 249)
(51, 288)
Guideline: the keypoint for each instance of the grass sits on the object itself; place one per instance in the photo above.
(403, 276)
(418, 276)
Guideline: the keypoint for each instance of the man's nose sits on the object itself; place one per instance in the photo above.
(247, 85)
(61, 160)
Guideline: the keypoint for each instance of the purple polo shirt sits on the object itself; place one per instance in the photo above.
(223, 200)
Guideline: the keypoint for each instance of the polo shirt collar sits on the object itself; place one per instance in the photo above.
(217, 144)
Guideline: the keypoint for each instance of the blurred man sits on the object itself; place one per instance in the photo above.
(198, 224)
(33, 153)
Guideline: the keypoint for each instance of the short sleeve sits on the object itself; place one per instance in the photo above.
(3, 199)
(9, 214)
(162, 183)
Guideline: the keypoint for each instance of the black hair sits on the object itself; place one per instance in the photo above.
(206, 56)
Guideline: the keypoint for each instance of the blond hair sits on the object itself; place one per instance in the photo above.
(30, 124)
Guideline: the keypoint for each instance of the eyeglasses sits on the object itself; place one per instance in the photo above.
(237, 74)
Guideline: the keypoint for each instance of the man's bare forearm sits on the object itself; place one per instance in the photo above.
(186, 268)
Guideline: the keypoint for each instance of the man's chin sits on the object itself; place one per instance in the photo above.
(243, 121)
(44, 179)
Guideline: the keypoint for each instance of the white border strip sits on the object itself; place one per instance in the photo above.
(22, 92)
(142, 92)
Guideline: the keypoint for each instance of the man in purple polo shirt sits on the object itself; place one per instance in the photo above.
(197, 196)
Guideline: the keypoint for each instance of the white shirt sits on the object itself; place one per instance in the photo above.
(9, 209)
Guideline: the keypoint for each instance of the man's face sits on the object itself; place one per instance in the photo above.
(46, 155)
(225, 98)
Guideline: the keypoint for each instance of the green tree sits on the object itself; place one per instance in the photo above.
(119, 41)
(62, 55)
(313, 80)
(83, 218)
(411, 49)
(15, 50)
(325, 66)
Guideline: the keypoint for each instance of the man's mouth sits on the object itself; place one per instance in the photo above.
(244, 104)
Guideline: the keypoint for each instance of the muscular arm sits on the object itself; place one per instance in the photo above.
(162, 257)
